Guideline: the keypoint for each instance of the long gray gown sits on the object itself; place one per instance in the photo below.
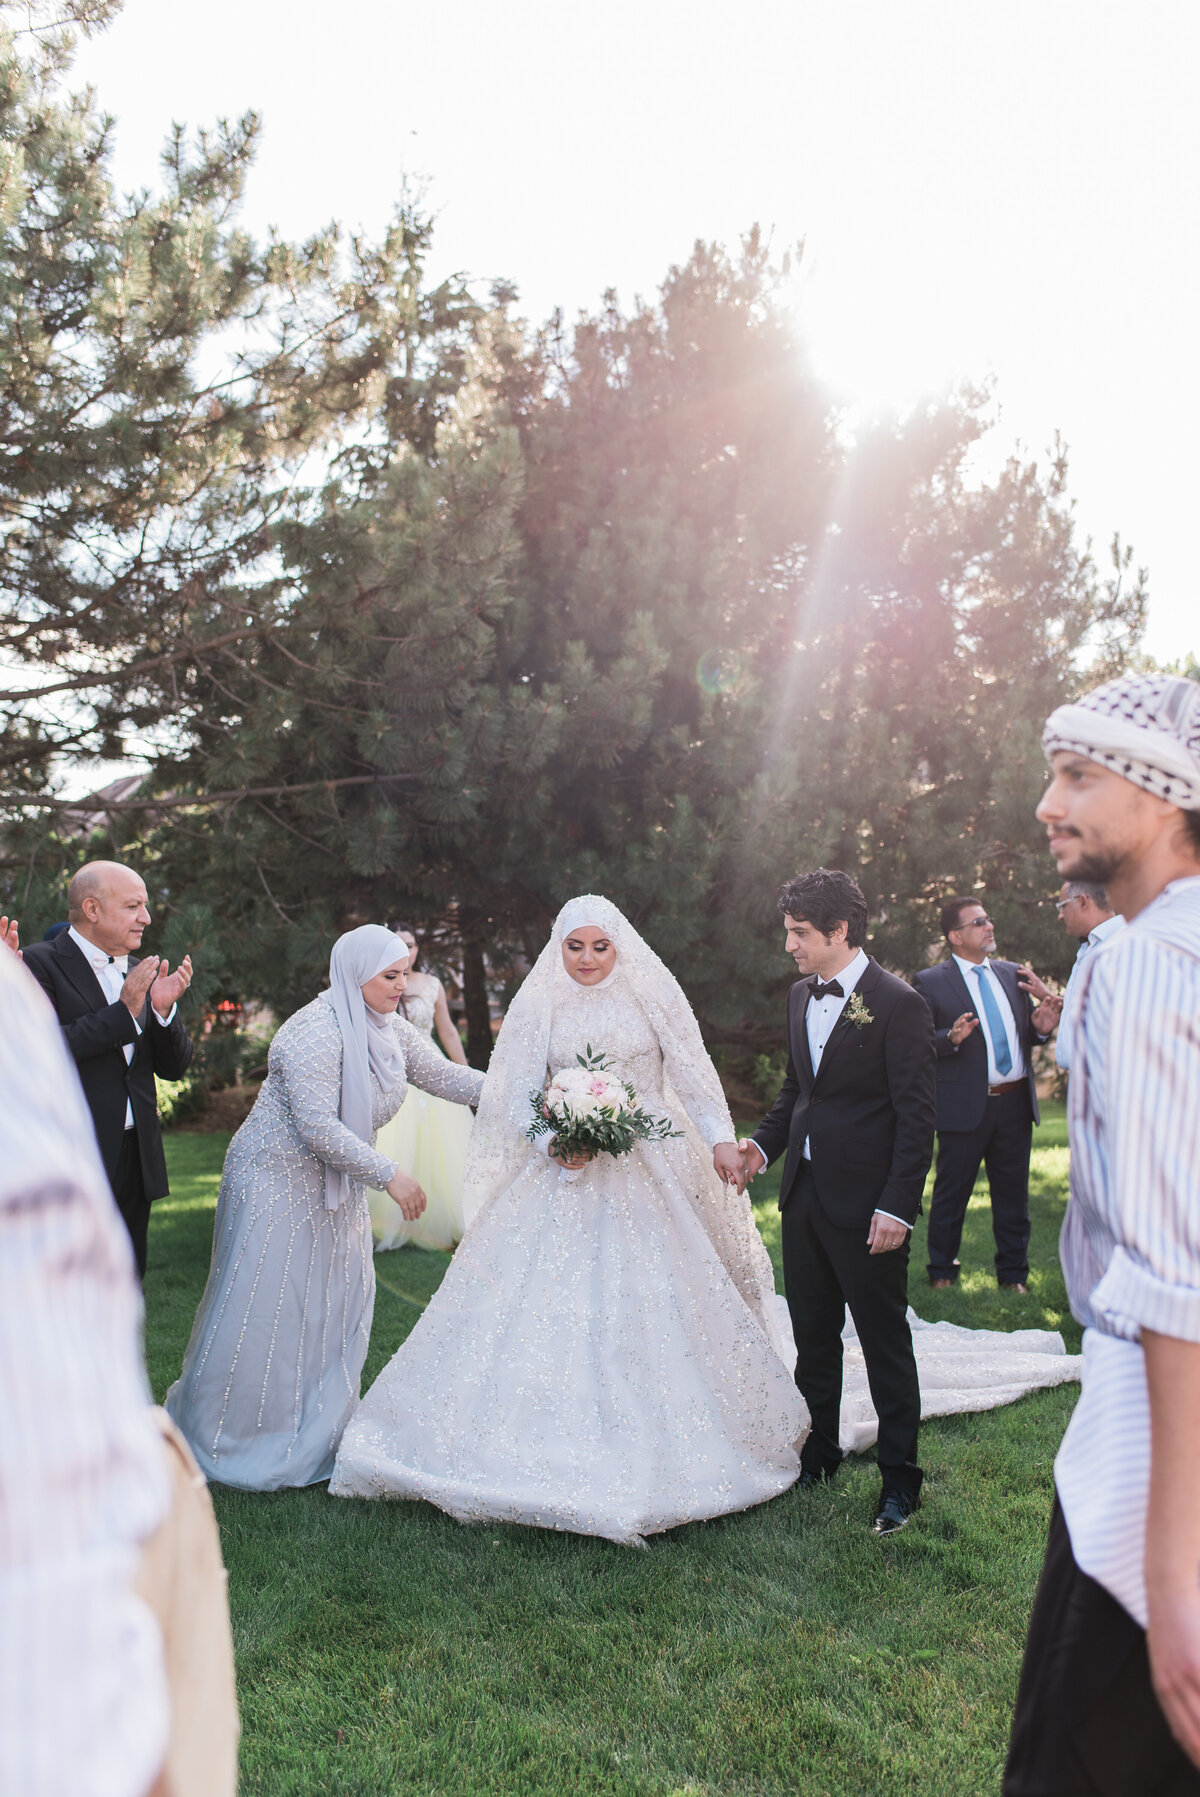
(271, 1374)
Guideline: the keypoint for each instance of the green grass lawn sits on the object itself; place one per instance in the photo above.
(383, 1648)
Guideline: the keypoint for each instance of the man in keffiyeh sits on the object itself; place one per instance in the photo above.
(1109, 1700)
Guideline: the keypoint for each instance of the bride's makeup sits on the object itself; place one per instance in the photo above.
(588, 956)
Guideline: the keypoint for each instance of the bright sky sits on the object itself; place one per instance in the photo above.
(1004, 187)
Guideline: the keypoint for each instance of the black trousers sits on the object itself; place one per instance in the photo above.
(130, 1193)
(1087, 1722)
(824, 1270)
(1001, 1143)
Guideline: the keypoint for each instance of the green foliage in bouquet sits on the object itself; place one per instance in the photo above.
(612, 1129)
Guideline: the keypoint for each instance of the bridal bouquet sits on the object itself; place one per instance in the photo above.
(590, 1111)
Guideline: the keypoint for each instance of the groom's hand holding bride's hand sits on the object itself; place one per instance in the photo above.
(737, 1163)
(408, 1195)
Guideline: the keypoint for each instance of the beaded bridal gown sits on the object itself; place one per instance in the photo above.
(428, 1138)
(603, 1354)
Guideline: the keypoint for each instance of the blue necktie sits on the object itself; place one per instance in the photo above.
(995, 1023)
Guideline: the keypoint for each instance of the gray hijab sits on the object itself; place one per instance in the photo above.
(369, 1042)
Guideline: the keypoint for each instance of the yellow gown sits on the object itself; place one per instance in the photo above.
(428, 1138)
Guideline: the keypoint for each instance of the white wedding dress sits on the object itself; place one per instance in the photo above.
(603, 1354)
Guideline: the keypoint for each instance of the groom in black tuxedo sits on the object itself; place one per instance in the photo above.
(855, 1119)
(119, 1019)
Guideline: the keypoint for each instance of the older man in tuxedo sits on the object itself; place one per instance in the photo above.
(118, 1015)
(985, 1027)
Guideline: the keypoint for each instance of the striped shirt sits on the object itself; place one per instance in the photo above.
(1131, 1239)
(1066, 1022)
(83, 1479)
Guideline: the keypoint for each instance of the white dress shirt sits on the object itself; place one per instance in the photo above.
(1066, 1021)
(820, 1018)
(83, 1479)
(112, 971)
(823, 1013)
(1131, 1238)
(974, 974)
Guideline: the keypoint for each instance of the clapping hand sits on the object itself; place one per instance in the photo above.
(169, 987)
(138, 982)
(9, 937)
(962, 1026)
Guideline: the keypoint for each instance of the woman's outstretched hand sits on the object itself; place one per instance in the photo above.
(407, 1194)
(573, 1162)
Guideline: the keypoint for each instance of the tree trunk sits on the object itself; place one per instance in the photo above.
(475, 1006)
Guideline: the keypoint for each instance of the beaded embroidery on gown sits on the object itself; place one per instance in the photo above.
(271, 1374)
(428, 1138)
(602, 1355)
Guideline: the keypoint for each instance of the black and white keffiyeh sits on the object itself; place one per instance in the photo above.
(1145, 727)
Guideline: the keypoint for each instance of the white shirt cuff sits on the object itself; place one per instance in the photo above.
(168, 1018)
(893, 1216)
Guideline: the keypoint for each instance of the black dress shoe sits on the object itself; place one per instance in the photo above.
(821, 1475)
(895, 1508)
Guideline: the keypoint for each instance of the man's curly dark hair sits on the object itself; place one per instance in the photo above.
(824, 899)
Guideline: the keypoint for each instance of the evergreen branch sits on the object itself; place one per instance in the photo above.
(78, 682)
(171, 802)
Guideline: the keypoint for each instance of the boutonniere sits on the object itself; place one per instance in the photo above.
(857, 1012)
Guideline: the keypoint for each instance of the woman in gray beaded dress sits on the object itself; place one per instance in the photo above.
(271, 1374)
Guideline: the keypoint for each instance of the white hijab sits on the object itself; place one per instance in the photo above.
(369, 1041)
(499, 1147)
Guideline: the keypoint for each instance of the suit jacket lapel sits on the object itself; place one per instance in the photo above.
(801, 1052)
(963, 993)
(78, 970)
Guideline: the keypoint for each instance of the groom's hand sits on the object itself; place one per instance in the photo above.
(885, 1234)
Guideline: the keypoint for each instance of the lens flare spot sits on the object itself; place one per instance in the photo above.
(718, 669)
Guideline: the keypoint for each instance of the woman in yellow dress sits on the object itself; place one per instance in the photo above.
(427, 1137)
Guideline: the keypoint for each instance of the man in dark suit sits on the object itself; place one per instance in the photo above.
(854, 1118)
(118, 1016)
(986, 1028)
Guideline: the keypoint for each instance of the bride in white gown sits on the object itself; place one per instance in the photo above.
(603, 1355)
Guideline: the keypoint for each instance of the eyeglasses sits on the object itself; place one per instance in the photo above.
(976, 923)
(1060, 905)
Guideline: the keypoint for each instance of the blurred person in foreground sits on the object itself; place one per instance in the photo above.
(1086, 914)
(116, 1662)
(1109, 1700)
(986, 1027)
(118, 1016)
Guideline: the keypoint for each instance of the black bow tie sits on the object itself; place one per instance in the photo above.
(832, 990)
